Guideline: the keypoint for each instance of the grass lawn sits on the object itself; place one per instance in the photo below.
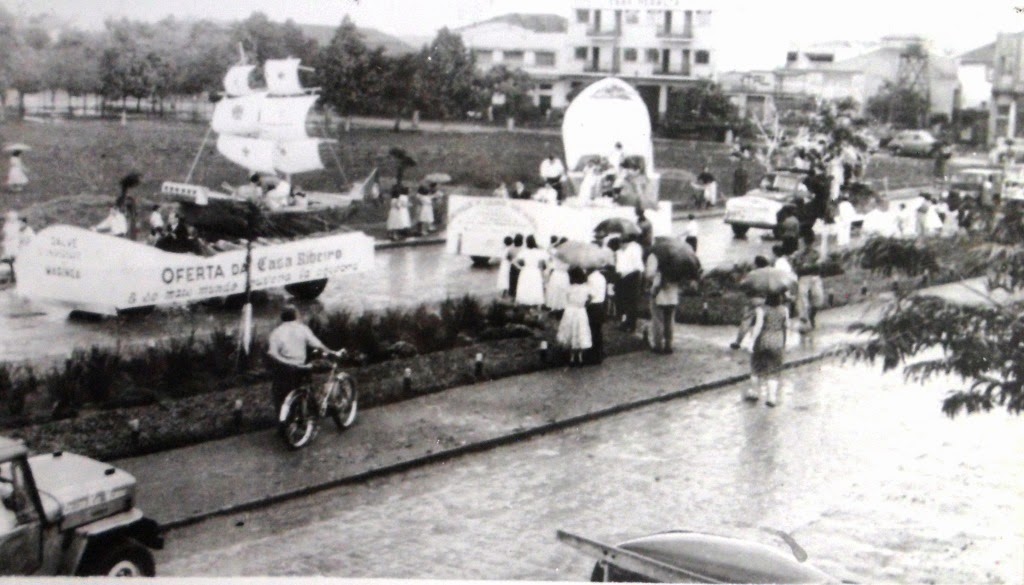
(73, 158)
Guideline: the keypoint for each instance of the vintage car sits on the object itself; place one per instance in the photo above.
(696, 557)
(913, 143)
(759, 208)
(972, 183)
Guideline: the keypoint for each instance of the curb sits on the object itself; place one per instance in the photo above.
(478, 447)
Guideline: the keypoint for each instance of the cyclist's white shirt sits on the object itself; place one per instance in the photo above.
(289, 341)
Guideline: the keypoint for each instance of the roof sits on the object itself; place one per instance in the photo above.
(539, 23)
(984, 55)
(940, 66)
(373, 38)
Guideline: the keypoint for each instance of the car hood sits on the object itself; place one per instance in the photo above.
(77, 489)
(724, 559)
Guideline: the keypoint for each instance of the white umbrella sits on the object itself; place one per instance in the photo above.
(17, 147)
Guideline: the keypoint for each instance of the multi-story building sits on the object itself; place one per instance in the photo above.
(534, 43)
(974, 70)
(1006, 112)
(656, 45)
(757, 93)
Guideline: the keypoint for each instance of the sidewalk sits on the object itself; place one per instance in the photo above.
(184, 486)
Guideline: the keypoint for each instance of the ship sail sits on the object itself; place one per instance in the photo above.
(236, 82)
(265, 131)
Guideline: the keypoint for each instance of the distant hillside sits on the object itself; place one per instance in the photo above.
(374, 38)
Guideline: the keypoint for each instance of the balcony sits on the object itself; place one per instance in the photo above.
(675, 36)
(674, 72)
(595, 33)
(607, 69)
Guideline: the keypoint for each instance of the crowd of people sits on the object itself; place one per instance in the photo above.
(399, 222)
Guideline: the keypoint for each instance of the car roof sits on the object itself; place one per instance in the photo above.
(10, 449)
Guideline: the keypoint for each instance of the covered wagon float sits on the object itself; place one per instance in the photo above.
(264, 131)
(607, 112)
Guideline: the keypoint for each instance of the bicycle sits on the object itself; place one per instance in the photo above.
(303, 407)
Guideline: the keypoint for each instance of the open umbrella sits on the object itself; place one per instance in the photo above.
(616, 225)
(676, 259)
(17, 147)
(584, 255)
(768, 280)
(438, 178)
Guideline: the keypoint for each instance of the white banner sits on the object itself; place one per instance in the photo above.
(477, 226)
(101, 273)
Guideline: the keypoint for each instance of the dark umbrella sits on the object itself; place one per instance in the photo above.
(676, 259)
(616, 225)
(584, 255)
(768, 280)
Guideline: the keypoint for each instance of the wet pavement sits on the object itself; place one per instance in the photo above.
(862, 469)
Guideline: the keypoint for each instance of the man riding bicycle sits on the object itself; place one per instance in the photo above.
(288, 344)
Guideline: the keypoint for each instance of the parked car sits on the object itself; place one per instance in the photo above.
(913, 143)
(972, 183)
(695, 557)
(65, 514)
(759, 208)
(1007, 150)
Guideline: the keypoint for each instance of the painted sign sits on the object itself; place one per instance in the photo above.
(101, 273)
(477, 226)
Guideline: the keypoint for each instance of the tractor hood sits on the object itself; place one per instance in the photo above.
(76, 490)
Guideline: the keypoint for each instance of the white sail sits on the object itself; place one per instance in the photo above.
(237, 115)
(298, 156)
(236, 81)
(282, 76)
(284, 119)
(251, 153)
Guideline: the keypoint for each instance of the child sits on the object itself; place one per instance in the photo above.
(692, 231)
(504, 267)
(574, 328)
(16, 177)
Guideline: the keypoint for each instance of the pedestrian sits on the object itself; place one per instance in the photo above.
(691, 231)
(939, 170)
(616, 158)
(596, 312)
(426, 212)
(845, 214)
(708, 187)
(16, 173)
(505, 267)
(781, 261)
(574, 328)
(518, 241)
(558, 280)
(789, 229)
(12, 226)
(398, 214)
(769, 332)
(629, 267)
(810, 290)
(907, 222)
(519, 191)
(502, 191)
(664, 300)
(552, 172)
(646, 238)
(740, 181)
(530, 286)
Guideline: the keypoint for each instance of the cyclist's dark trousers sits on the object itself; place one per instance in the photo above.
(285, 379)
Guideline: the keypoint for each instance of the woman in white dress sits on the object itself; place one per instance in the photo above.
(398, 214)
(426, 214)
(504, 267)
(558, 281)
(531, 261)
(16, 177)
(589, 183)
(574, 328)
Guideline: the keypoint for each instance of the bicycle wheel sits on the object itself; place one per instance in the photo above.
(296, 421)
(345, 403)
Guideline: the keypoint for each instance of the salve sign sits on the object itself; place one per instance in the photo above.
(101, 273)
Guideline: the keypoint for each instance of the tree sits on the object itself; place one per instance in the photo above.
(205, 55)
(346, 70)
(264, 39)
(900, 106)
(701, 109)
(515, 85)
(981, 343)
(445, 81)
(28, 59)
(74, 66)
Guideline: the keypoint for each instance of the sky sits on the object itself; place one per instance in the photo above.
(752, 34)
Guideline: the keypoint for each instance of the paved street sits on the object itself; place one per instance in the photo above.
(865, 472)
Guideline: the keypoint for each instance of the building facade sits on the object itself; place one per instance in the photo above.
(1006, 112)
(757, 93)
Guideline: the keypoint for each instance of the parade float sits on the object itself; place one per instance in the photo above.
(607, 112)
(264, 131)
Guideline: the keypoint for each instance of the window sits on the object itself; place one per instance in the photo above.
(583, 16)
(546, 86)
(702, 57)
(651, 56)
(629, 55)
(791, 57)
(632, 17)
(544, 59)
(580, 53)
(483, 57)
(514, 57)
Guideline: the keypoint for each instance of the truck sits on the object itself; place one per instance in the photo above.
(66, 514)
